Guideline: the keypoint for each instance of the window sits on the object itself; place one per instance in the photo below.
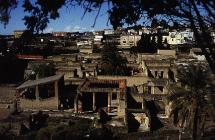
(156, 74)
(160, 88)
(29, 93)
(149, 90)
(161, 74)
(172, 35)
(46, 90)
(114, 96)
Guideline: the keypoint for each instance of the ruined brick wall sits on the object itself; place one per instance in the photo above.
(45, 104)
(7, 98)
(68, 74)
(158, 91)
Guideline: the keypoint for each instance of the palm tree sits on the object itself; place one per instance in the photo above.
(191, 104)
(112, 62)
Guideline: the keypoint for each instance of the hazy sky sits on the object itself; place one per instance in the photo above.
(70, 20)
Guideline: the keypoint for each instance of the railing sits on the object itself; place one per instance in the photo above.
(101, 90)
(148, 96)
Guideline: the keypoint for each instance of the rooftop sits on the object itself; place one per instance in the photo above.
(158, 82)
(32, 83)
(95, 85)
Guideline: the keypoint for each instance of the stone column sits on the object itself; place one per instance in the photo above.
(76, 105)
(37, 92)
(80, 103)
(95, 72)
(94, 101)
(118, 98)
(56, 88)
(164, 90)
(56, 92)
(109, 102)
(118, 101)
(143, 105)
(166, 73)
(80, 107)
(153, 89)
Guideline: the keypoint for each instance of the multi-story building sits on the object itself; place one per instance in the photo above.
(213, 35)
(109, 32)
(18, 33)
(129, 40)
(179, 37)
(144, 30)
(98, 39)
(59, 34)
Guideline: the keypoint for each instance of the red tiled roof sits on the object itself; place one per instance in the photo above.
(30, 57)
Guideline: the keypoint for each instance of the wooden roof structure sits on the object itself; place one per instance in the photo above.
(96, 85)
(32, 83)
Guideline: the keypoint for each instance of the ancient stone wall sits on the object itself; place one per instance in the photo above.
(130, 80)
(41, 104)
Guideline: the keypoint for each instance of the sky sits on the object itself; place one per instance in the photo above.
(70, 20)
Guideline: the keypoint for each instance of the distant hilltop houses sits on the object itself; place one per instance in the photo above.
(181, 39)
(122, 37)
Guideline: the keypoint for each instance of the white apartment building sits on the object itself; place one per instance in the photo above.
(82, 43)
(98, 38)
(179, 37)
(108, 32)
(144, 30)
(132, 31)
(127, 41)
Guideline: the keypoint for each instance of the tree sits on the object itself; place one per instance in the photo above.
(112, 62)
(6, 132)
(25, 39)
(164, 24)
(190, 106)
(147, 44)
(43, 70)
(5, 7)
(101, 134)
(38, 120)
(154, 23)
